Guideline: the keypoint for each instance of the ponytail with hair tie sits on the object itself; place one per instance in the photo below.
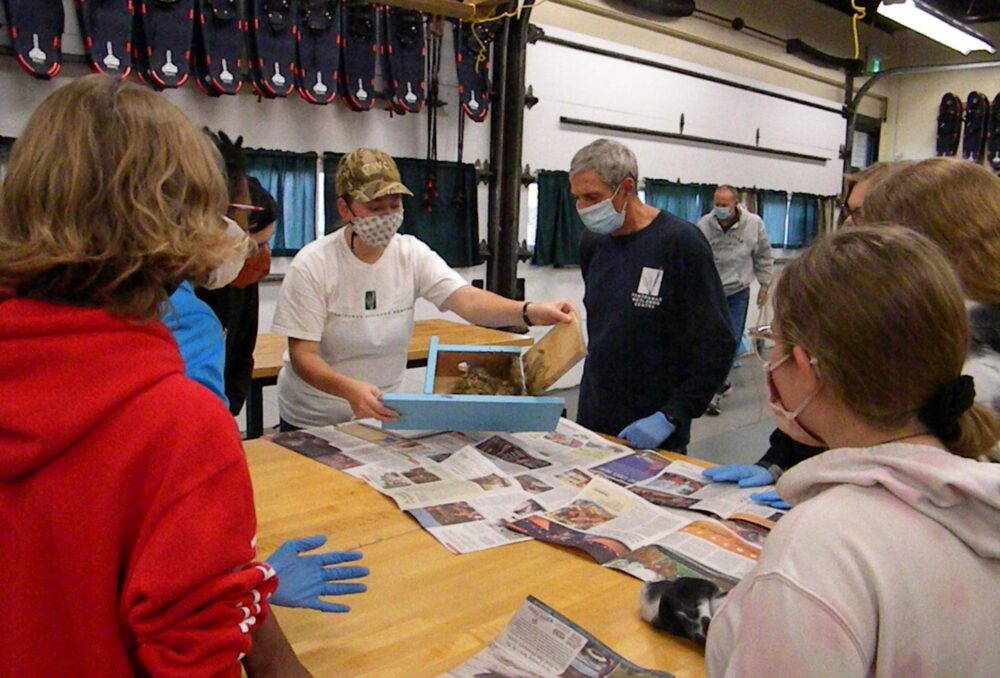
(946, 406)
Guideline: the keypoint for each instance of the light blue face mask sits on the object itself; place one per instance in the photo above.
(722, 213)
(602, 217)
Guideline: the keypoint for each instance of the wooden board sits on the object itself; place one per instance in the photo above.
(554, 355)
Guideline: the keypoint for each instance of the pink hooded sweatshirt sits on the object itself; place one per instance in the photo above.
(889, 565)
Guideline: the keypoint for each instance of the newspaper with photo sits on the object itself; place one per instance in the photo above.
(538, 642)
(634, 510)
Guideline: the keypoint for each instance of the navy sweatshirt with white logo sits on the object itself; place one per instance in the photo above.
(658, 327)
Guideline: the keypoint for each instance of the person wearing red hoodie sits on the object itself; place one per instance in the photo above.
(126, 512)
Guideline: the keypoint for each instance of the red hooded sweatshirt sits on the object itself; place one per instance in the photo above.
(126, 513)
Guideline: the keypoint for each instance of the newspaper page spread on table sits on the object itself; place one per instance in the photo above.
(540, 642)
(633, 510)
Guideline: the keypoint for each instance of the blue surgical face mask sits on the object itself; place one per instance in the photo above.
(602, 217)
(722, 213)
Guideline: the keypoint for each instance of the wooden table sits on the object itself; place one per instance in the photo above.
(426, 610)
(270, 348)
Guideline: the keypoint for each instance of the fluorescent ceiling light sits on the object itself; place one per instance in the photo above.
(926, 20)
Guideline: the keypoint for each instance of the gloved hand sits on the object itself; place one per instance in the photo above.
(745, 475)
(771, 499)
(303, 579)
(648, 432)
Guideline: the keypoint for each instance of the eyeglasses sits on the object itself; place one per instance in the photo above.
(763, 340)
(248, 208)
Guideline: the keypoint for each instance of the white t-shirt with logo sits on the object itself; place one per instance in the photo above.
(361, 314)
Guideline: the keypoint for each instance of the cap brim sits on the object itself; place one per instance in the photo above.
(387, 188)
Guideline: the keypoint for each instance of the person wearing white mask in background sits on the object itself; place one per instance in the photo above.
(742, 252)
(660, 343)
(347, 302)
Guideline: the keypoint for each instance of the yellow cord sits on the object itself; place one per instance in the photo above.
(859, 14)
(482, 55)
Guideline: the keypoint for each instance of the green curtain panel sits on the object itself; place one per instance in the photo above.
(557, 238)
(5, 145)
(706, 199)
(803, 220)
(773, 210)
(291, 179)
(448, 221)
(682, 200)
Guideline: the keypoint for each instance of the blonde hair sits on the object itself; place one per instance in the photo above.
(882, 311)
(111, 197)
(956, 204)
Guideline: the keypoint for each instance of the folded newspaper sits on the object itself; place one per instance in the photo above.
(633, 510)
(538, 642)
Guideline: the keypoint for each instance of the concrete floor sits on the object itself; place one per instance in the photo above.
(738, 435)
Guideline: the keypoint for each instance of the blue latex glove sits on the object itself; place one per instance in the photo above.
(648, 432)
(303, 579)
(745, 475)
(771, 499)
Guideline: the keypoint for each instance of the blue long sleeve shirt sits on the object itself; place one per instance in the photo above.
(658, 327)
(199, 336)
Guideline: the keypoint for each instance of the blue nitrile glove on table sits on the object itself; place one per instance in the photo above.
(771, 499)
(745, 475)
(302, 579)
(648, 432)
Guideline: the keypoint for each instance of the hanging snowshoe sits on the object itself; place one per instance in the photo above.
(106, 26)
(220, 34)
(949, 125)
(319, 50)
(472, 60)
(993, 139)
(360, 48)
(272, 47)
(405, 56)
(36, 35)
(167, 32)
(977, 119)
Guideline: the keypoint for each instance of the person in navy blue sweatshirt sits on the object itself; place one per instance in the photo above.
(660, 344)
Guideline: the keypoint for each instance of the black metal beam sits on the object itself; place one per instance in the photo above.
(685, 71)
(688, 138)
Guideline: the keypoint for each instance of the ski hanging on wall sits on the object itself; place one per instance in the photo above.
(162, 36)
(977, 118)
(318, 43)
(106, 26)
(404, 63)
(36, 35)
(220, 35)
(472, 61)
(272, 47)
(949, 125)
(360, 49)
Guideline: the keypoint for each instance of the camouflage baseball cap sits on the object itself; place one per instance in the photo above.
(368, 174)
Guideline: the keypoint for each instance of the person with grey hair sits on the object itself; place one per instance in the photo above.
(742, 252)
(660, 344)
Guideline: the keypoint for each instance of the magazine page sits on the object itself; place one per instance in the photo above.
(475, 524)
(540, 642)
(604, 520)
(721, 551)
(337, 450)
(682, 485)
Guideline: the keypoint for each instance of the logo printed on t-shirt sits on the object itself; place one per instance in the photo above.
(370, 303)
(647, 293)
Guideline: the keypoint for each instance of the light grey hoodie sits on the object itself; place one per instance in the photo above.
(889, 565)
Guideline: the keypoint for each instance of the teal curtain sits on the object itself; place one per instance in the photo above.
(5, 145)
(557, 239)
(291, 179)
(706, 197)
(446, 218)
(682, 200)
(773, 209)
(803, 219)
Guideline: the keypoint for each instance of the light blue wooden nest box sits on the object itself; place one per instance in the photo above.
(438, 409)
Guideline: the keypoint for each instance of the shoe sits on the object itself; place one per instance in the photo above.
(713, 407)
(727, 388)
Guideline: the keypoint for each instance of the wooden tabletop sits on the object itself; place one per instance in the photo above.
(267, 356)
(426, 610)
